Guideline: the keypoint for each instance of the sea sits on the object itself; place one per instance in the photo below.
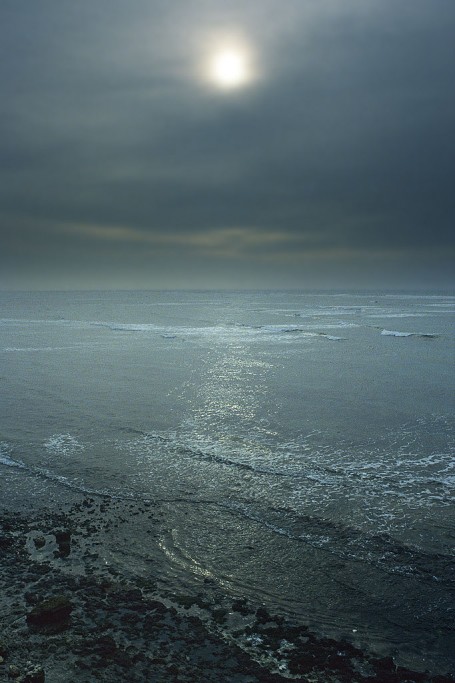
(299, 445)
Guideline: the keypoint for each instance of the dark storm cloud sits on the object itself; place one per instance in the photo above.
(119, 161)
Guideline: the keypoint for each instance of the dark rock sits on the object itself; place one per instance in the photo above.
(338, 662)
(349, 649)
(262, 616)
(129, 618)
(31, 598)
(202, 602)
(132, 595)
(13, 671)
(151, 624)
(185, 601)
(384, 664)
(172, 669)
(34, 675)
(408, 676)
(83, 663)
(63, 538)
(106, 585)
(156, 606)
(219, 616)
(105, 646)
(39, 542)
(6, 541)
(302, 664)
(53, 612)
(240, 606)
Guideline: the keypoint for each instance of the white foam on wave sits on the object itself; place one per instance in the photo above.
(419, 296)
(46, 321)
(327, 469)
(43, 473)
(449, 304)
(9, 462)
(303, 331)
(277, 329)
(129, 327)
(5, 458)
(338, 325)
(397, 315)
(210, 333)
(387, 481)
(63, 444)
(395, 333)
(330, 311)
(222, 333)
(34, 349)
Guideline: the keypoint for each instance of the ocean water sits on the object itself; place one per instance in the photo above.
(300, 445)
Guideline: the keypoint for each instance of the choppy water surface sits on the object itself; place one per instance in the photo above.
(301, 444)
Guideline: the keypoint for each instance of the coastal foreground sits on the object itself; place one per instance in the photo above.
(69, 616)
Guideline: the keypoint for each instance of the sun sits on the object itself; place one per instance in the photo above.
(227, 61)
(230, 69)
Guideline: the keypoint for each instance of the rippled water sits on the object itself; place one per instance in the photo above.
(301, 444)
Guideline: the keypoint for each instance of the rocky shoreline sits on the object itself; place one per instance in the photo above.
(67, 618)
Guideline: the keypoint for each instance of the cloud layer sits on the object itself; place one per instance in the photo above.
(122, 165)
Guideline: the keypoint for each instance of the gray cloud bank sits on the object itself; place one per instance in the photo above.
(121, 166)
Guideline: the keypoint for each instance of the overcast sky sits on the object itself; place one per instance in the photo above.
(125, 162)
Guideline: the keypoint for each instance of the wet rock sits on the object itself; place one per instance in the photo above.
(35, 674)
(6, 541)
(262, 616)
(13, 671)
(54, 612)
(384, 664)
(63, 538)
(105, 646)
(130, 618)
(39, 542)
(337, 662)
(405, 675)
(240, 606)
(302, 664)
(31, 598)
(156, 606)
(185, 601)
(219, 616)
